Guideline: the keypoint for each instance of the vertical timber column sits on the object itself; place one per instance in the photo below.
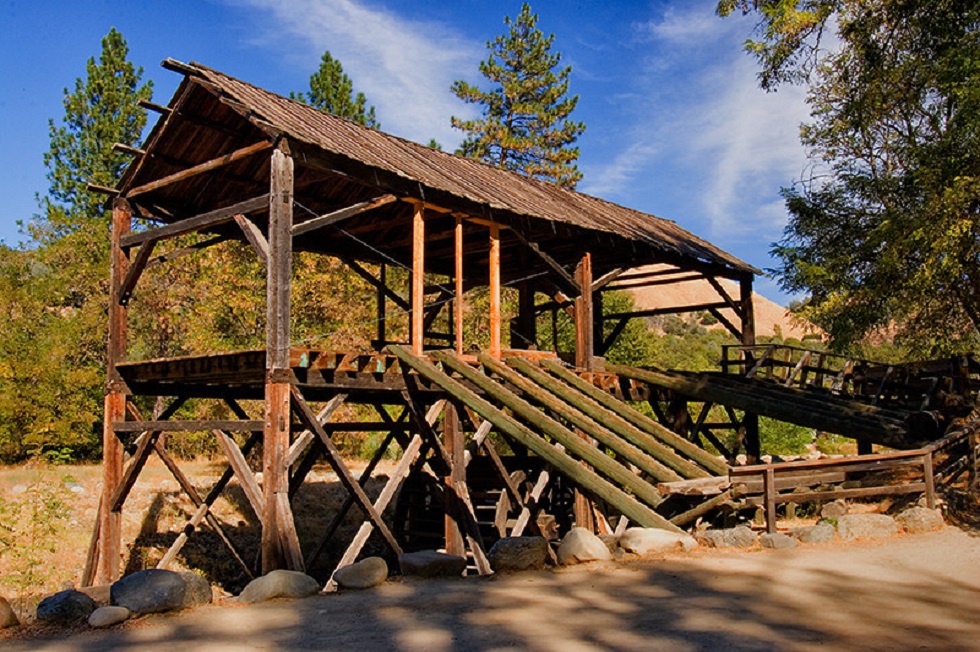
(275, 443)
(584, 346)
(495, 291)
(458, 273)
(751, 421)
(453, 440)
(110, 522)
(417, 324)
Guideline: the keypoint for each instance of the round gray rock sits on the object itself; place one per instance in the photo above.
(430, 563)
(653, 541)
(7, 616)
(777, 540)
(920, 519)
(279, 584)
(835, 509)
(198, 590)
(362, 575)
(108, 616)
(518, 554)
(819, 533)
(149, 591)
(65, 607)
(866, 526)
(580, 545)
(739, 536)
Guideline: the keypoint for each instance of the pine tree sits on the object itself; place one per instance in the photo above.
(101, 111)
(332, 91)
(525, 125)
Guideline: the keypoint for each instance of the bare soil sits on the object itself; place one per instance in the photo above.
(908, 592)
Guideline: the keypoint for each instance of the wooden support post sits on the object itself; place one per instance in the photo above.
(928, 475)
(110, 522)
(495, 291)
(458, 273)
(750, 421)
(417, 325)
(452, 435)
(279, 548)
(769, 491)
(584, 346)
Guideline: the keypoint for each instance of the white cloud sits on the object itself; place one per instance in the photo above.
(612, 177)
(403, 66)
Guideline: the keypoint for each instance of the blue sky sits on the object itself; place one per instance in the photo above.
(677, 125)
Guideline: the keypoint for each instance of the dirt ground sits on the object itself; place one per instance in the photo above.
(907, 592)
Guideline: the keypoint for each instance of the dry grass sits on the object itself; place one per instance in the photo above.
(47, 514)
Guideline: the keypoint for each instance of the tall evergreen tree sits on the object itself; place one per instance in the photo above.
(332, 91)
(525, 125)
(54, 293)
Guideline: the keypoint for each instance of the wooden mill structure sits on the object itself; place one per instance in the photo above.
(231, 161)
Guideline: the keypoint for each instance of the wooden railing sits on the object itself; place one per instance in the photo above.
(762, 485)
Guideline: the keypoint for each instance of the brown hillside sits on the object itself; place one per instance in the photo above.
(768, 315)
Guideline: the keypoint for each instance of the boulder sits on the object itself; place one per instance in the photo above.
(108, 616)
(198, 590)
(866, 526)
(580, 545)
(653, 541)
(739, 536)
(7, 616)
(279, 584)
(835, 509)
(819, 533)
(920, 519)
(518, 554)
(362, 575)
(429, 563)
(149, 591)
(777, 540)
(65, 607)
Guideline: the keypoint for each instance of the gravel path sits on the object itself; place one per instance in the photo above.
(909, 592)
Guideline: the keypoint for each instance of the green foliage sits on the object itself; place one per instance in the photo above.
(525, 125)
(781, 438)
(332, 91)
(886, 235)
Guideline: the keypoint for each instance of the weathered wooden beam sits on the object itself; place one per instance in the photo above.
(135, 271)
(607, 278)
(341, 214)
(416, 326)
(254, 237)
(564, 278)
(598, 486)
(494, 282)
(123, 148)
(629, 285)
(653, 312)
(198, 222)
(201, 168)
(243, 472)
(153, 106)
(458, 301)
(336, 461)
(188, 426)
(378, 283)
(676, 466)
(184, 251)
(306, 438)
(575, 416)
(729, 326)
(691, 515)
(638, 419)
(146, 444)
(102, 190)
(453, 440)
(584, 344)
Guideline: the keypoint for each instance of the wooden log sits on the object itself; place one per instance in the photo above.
(769, 496)
(638, 419)
(201, 168)
(454, 442)
(570, 440)
(703, 389)
(707, 506)
(696, 487)
(566, 280)
(579, 418)
(494, 273)
(341, 214)
(252, 425)
(197, 223)
(135, 271)
(306, 438)
(605, 490)
(670, 466)
(246, 479)
(584, 344)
